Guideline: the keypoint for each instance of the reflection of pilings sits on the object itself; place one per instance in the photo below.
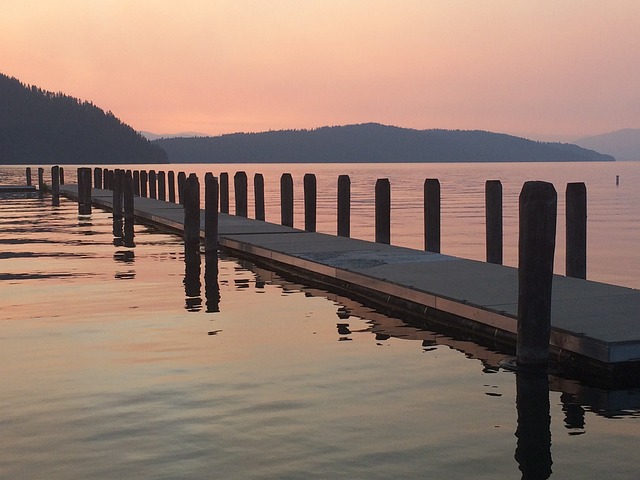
(211, 287)
(210, 213)
(127, 239)
(192, 286)
(55, 186)
(573, 414)
(533, 450)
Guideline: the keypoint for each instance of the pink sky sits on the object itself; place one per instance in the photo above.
(541, 69)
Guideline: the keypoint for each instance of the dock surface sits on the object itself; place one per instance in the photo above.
(594, 324)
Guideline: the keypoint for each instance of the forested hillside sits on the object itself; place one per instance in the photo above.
(371, 143)
(43, 127)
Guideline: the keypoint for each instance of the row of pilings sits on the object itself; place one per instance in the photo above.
(537, 226)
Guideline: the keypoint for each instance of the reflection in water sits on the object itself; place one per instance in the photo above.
(211, 287)
(123, 232)
(573, 414)
(533, 450)
(193, 300)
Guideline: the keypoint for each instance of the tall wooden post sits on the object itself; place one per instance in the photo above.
(344, 206)
(240, 189)
(117, 193)
(41, 187)
(493, 220)
(182, 181)
(105, 180)
(432, 215)
(192, 211)
(210, 213)
(55, 186)
(286, 200)
(383, 211)
(153, 191)
(576, 212)
(127, 195)
(28, 174)
(536, 248)
(258, 190)
(162, 186)
(136, 183)
(310, 202)
(61, 175)
(224, 192)
(143, 183)
(97, 177)
(171, 182)
(84, 191)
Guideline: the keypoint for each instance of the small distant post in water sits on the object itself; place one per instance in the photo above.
(617, 180)
(153, 184)
(224, 192)
(310, 202)
(286, 200)
(344, 206)
(536, 248)
(258, 190)
(171, 183)
(162, 186)
(182, 181)
(28, 174)
(191, 212)
(432, 215)
(493, 220)
(576, 215)
(97, 177)
(55, 186)
(210, 213)
(240, 189)
(383, 211)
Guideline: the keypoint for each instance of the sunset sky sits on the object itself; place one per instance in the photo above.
(541, 69)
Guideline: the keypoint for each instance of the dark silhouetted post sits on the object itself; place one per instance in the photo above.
(84, 191)
(576, 210)
(211, 287)
(153, 192)
(55, 186)
(432, 215)
(112, 178)
(258, 190)
(210, 213)
(310, 202)
(61, 175)
(136, 183)
(536, 248)
(97, 177)
(240, 189)
(383, 211)
(344, 206)
(105, 182)
(143, 183)
(493, 220)
(41, 186)
(117, 193)
(28, 174)
(162, 186)
(533, 449)
(127, 195)
(182, 181)
(191, 211)
(286, 200)
(224, 192)
(171, 183)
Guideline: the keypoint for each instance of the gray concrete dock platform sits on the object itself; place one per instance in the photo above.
(595, 326)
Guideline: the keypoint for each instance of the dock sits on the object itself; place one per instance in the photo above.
(595, 326)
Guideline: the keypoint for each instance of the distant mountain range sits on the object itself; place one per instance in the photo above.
(622, 144)
(40, 127)
(370, 142)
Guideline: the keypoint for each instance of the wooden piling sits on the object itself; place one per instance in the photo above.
(191, 211)
(162, 186)
(344, 206)
(536, 248)
(84, 191)
(258, 190)
(286, 200)
(493, 221)
(117, 193)
(41, 187)
(310, 202)
(224, 192)
(143, 183)
(97, 177)
(383, 211)
(182, 181)
(153, 191)
(240, 192)
(105, 179)
(55, 186)
(111, 175)
(576, 226)
(432, 215)
(211, 192)
(61, 175)
(136, 183)
(28, 175)
(171, 184)
(127, 196)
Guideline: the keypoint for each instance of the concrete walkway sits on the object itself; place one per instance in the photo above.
(595, 326)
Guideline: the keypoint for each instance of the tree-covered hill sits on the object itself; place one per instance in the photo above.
(43, 127)
(371, 142)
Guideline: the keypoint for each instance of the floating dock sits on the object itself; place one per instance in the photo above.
(595, 326)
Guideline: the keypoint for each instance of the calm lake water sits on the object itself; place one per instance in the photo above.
(128, 362)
